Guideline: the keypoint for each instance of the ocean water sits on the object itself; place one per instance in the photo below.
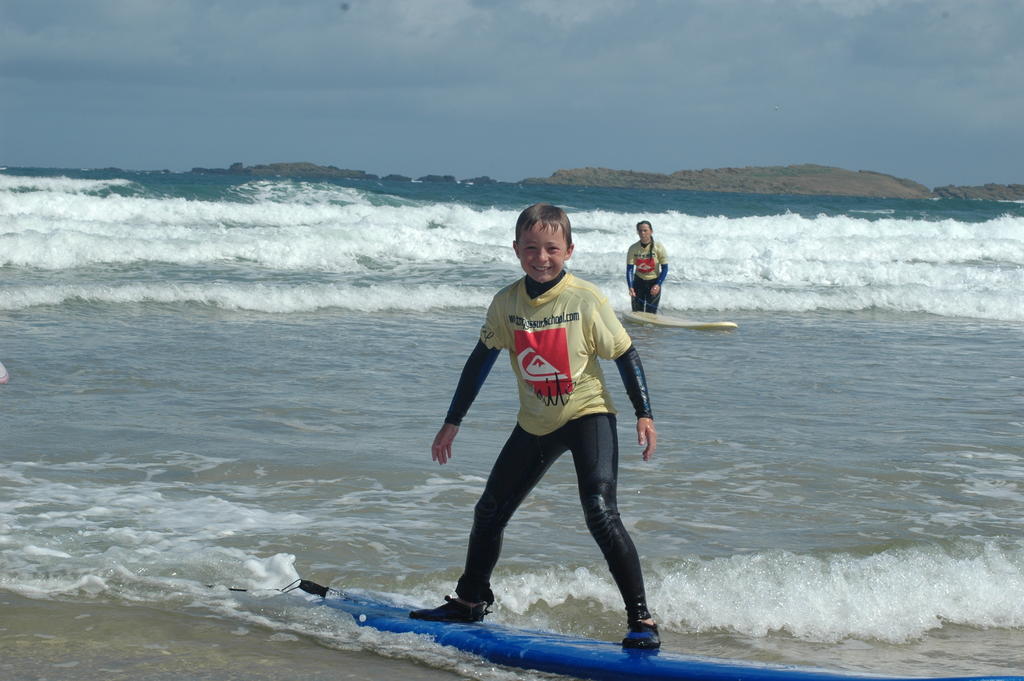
(225, 383)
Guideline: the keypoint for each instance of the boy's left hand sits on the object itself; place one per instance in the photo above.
(441, 449)
(646, 436)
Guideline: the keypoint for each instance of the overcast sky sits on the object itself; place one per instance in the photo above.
(931, 90)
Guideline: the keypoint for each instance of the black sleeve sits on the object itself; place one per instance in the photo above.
(473, 376)
(632, 372)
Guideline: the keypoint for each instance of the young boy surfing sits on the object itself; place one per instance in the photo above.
(555, 326)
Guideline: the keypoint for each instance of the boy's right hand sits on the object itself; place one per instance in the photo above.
(441, 450)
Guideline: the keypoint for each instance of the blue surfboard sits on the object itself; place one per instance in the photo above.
(581, 657)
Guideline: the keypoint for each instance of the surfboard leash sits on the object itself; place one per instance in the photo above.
(309, 587)
(306, 585)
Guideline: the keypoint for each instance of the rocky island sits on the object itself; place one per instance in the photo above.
(301, 169)
(797, 179)
(992, 192)
(312, 171)
(793, 179)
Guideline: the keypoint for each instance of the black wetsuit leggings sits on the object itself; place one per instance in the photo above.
(644, 301)
(522, 463)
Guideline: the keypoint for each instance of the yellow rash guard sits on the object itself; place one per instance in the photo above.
(647, 260)
(554, 342)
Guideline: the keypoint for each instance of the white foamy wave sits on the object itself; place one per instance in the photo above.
(305, 193)
(1003, 305)
(893, 596)
(129, 538)
(54, 212)
(284, 299)
(794, 238)
(255, 297)
(787, 263)
(59, 185)
(795, 264)
(133, 528)
(59, 231)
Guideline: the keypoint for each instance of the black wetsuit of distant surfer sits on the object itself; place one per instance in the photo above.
(525, 458)
(644, 300)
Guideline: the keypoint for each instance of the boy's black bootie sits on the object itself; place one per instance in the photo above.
(642, 636)
(453, 611)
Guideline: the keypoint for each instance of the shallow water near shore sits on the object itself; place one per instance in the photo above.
(207, 395)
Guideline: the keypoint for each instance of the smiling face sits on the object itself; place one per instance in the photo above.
(542, 252)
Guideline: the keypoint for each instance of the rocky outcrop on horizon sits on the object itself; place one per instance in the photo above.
(795, 179)
(302, 169)
(313, 171)
(990, 192)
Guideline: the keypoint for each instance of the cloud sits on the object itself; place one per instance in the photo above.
(645, 84)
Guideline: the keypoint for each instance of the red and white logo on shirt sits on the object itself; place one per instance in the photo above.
(645, 265)
(543, 358)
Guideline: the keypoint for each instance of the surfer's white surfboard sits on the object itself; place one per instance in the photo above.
(678, 322)
(4, 376)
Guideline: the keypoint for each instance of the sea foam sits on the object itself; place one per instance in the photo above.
(251, 248)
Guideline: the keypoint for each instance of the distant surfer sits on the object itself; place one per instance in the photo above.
(4, 376)
(646, 269)
(554, 326)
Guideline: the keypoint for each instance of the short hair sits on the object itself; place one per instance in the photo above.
(551, 217)
(645, 222)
